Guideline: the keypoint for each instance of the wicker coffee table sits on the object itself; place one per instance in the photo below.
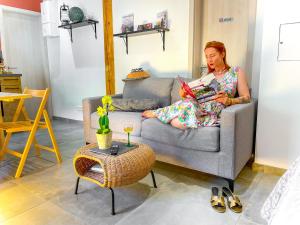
(119, 170)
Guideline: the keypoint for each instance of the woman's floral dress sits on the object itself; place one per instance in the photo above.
(193, 114)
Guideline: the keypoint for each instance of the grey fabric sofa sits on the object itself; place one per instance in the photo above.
(221, 151)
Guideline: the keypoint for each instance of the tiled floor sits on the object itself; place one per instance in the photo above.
(45, 193)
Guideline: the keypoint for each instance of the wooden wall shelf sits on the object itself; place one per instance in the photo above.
(125, 36)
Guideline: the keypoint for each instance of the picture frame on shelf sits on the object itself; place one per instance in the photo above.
(162, 19)
(127, 23)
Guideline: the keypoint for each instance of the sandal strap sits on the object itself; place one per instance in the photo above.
(235, 202)
(217, 201)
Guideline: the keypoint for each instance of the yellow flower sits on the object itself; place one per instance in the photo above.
(101, 111)
(111, 108)
(106, 100)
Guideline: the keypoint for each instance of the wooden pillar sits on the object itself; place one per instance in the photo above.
(108, 47)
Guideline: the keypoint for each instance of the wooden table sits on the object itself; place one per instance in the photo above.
(10, 97)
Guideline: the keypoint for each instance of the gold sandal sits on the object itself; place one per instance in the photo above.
(216, 201)
(233, 201)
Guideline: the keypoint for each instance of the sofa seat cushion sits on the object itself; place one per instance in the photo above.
(117, 119)
(201, 139)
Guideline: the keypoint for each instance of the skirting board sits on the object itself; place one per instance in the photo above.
(268, 169)
(66, 119)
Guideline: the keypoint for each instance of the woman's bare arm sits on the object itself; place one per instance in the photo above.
(242, 87)
(243, 91)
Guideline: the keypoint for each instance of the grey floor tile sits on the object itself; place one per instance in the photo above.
(244, 221)
(56, 180)
(16, 200)
(32, 165)
(256, 201)
(46, 213)
(45, 192)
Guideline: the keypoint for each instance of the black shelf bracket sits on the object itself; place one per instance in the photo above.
(71, 26)
(125, 36)
(125, 39)
(163, 38)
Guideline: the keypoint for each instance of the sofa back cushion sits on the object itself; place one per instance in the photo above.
(151, 88)
(175, 90)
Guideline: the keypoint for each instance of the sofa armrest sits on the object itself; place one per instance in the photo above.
(89, 105)
(236, 138)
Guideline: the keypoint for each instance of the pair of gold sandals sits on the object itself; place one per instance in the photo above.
(218, 203)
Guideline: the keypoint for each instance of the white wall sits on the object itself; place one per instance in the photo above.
(24, 49)
(257, 48)
(146, 51)
(278, 129)
(77, 69)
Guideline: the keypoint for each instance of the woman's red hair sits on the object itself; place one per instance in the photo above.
(220, 47)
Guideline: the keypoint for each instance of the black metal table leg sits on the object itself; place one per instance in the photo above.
(153, 179)
(112, 202)
(77, 183)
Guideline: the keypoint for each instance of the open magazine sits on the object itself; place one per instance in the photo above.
(202, 89)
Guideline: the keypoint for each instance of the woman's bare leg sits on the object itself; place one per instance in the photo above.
(149, 114)
(176, 123)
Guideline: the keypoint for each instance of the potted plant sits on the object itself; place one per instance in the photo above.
(104, 134)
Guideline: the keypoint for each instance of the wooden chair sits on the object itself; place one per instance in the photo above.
(30, 126)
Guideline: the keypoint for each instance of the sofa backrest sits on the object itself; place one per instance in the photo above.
(175, 89)
(153, 88)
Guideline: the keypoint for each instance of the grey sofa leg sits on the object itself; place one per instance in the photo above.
(230, 184)
(87, 143)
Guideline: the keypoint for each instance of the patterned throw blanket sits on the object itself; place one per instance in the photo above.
(283, 204)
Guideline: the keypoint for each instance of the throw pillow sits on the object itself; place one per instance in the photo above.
(135, 105)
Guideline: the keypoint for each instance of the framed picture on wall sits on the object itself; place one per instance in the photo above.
(127, 23)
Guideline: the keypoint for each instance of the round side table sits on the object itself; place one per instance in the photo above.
(118, 170)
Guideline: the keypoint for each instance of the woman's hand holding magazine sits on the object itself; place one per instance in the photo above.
(203, 89)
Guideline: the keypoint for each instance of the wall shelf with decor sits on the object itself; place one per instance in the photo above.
(125, 36)
(71, 26)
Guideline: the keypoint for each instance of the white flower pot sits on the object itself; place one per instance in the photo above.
(104, 140)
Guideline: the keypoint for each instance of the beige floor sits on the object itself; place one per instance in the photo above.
(45, 193)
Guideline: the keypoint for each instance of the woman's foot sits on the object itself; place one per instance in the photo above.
(149, 114)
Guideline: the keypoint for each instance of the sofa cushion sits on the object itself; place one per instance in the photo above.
(175, 89)
(154, 88)
(202, 138)
(135, 105)
(117, 120)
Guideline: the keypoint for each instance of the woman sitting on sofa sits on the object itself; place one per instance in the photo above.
(188, 113)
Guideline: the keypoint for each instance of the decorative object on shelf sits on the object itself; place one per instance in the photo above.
(76, 14)
(127, 23)
(64, 14)
(137, 74)
(140, 28)
(125, 35)
(148, 26)
(104, 134)
(162, 19)
(71, 26)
